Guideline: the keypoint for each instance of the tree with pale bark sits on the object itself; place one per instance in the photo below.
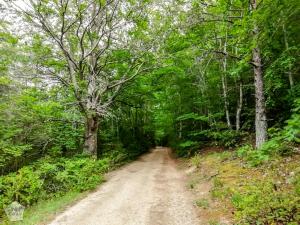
(84, 37)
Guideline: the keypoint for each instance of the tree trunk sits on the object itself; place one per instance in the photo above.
(239, 107)
(289, 72)
(260, 105)
(226, 104)
(91, 136)
(224, 86)
(180, 129)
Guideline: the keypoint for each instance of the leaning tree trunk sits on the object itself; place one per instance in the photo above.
(91, 136)
(260, 105)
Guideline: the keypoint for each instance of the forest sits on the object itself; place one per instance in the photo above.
(87, 86)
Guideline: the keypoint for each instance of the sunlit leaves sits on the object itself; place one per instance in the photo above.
(192, 116)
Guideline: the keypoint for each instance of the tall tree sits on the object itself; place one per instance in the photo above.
(84, 38)
(260, 104)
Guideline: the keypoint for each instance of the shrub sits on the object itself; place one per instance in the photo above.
(277, 147)
(49, 177)
(297, 185)
(196, 160)
(117, 155)
(23, 186)
(202, 203)
(292, 130)
(263, 204)
(11, 152)
(271, 148)
(187, 148)
(218, 190)
(227, 138)
(252, 156)
(79, 173)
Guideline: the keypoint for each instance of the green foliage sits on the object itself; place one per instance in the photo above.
(78, 174)
(255, 157)
(118, 155)
(24, 186)
(50, 177)
(277, 147)
(218, 190)
(227, 138)
(202, 203)
(187, 144)
(292, 130)
(263, 204)
(33, 124)
(270, 149)
(190, 108)
(10, 152)
(187, 148)
(196, 160)
(280, 144)
(192, 116)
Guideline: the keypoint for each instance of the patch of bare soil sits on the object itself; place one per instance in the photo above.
(200, 181)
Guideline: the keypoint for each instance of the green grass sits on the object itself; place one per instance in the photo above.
(202, 203)
(196, 161)
(44, 211)
(214, 222)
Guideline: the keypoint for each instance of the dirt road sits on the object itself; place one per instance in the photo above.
(149, 191)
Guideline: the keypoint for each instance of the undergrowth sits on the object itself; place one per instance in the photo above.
(257, 186)
(269, 150)
(264, 204)
(53, 177)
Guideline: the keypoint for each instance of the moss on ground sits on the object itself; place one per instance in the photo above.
(268, 194)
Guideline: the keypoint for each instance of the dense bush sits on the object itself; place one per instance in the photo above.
(226, 138)
(34, 123)
(270, 149)
(24, 186)
(292, 130)
(116, 154)
(50, 177)
(281, 142)
(186, 148)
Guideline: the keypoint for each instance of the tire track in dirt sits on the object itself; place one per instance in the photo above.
(149, 191)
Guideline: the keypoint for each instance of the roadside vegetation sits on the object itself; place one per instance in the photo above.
(267, 193)
(50, 184)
